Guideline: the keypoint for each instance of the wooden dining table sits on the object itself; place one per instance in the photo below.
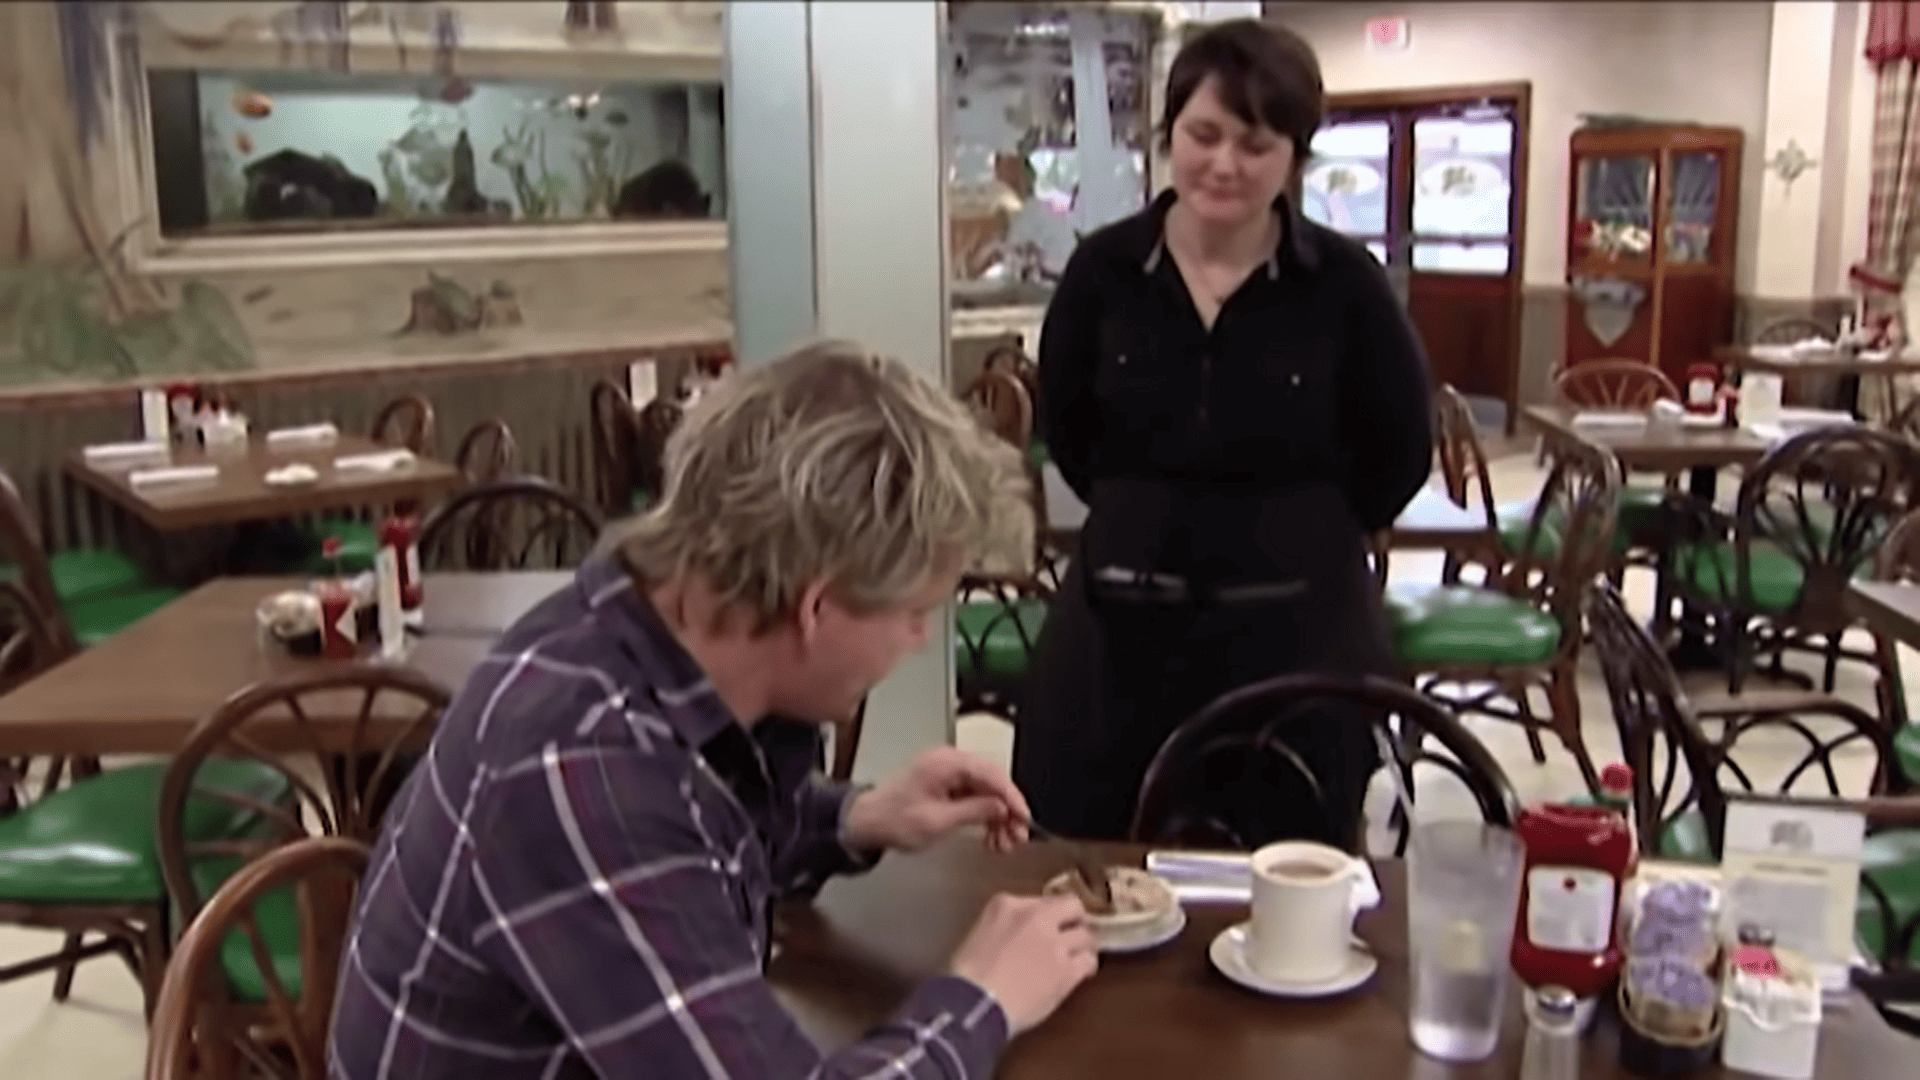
(143, 689)
(1849, 369)
(1640, 448)
(240, 493)
(1891, 608)
(843, 963)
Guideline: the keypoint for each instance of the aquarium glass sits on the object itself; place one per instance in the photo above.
(239, 153)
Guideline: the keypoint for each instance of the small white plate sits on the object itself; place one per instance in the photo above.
(1229, 954)
(1151, 936)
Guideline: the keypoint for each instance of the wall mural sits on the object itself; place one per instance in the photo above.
(76, 309)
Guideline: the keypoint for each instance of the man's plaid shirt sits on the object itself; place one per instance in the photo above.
(576, 878)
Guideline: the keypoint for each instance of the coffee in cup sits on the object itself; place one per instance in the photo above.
(1303, 908)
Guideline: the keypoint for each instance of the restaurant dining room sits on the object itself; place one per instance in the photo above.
(948, 539)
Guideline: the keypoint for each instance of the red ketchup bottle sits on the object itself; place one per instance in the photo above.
(1579, 859)
(401, 532)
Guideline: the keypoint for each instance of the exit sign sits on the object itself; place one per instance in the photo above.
(1387, 35)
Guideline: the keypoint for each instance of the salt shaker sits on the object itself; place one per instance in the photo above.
(1552, 1049)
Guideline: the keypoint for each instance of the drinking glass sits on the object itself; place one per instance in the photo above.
(1463, 891)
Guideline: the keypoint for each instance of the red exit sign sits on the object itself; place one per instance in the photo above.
(1387, 35)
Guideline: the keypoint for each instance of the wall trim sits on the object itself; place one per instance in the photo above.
(60, 397)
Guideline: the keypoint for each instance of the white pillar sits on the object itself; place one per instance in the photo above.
(874, 227)
(1798, 249)
(769, 137)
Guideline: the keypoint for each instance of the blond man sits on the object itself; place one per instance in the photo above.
(576, 879)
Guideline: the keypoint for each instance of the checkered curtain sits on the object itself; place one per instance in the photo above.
(1893, 208)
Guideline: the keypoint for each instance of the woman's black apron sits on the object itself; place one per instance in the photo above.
(1179, 593)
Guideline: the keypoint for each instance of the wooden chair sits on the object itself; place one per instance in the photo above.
(1682, 777)
(1627, 385)
(1463, 472)
(615, 430)
(1009, 358)
(197, 1031)
(335, 746)
(487, 452)
(1808, 517)
(92, 593)
(657, 423)
(1898, 559)
(405, 421)
(521, 524)
(1004, 406)
(1486, 648)
(1214, 779)
(1613, 384)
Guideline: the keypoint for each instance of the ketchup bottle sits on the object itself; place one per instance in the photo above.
(401, 532)
(1579, 859)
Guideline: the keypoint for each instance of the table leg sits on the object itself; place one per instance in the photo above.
(1691, 652)
(1850, 395)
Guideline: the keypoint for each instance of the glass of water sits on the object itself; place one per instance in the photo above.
(1463, 891)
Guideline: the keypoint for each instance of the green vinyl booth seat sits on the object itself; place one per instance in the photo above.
(83, 573)
(1712, 570)
(277, 916)
(1434, 625)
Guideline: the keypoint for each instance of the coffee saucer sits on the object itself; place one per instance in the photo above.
(1140, 939)
(1229, 954)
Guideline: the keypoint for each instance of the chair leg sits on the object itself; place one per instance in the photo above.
(70, 959)
(1564, 695)
(1833, 663)
(1530, 724)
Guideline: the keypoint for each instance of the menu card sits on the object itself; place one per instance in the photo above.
(1792, 870)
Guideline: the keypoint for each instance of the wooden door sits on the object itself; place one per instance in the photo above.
(1434, 183)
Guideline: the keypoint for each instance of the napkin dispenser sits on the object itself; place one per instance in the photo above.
(1760, 394)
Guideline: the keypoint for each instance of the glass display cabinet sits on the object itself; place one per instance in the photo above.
(1650, 243)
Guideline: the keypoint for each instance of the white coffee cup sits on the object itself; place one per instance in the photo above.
(1304, 901)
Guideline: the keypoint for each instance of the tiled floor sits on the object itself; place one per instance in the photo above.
(99, 1034)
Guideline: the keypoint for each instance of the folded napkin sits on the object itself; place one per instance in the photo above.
(1611, 419)
(308, 435)
(106, 453)
(379, 461)
(174, 474)
(1204, 877)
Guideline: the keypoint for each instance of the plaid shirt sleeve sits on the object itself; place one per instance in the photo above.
(610, 908)
(815, 850)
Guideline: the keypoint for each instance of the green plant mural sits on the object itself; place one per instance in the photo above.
(61, 329)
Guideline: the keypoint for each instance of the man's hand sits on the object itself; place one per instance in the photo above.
(943, 790)
(1028, 954)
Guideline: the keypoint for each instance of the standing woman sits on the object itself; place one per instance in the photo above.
(1238, 397)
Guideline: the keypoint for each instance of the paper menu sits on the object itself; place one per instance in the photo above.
(393, 630)
(1793, 869)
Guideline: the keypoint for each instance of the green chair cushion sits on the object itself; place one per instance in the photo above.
(93, 841)
(276, 913)
(359, 543)
(1890, 860)
(1638, 514)
(1711, 571)
(80, 573)
(1462, 624)
(990, 627)
(98, 618)
(1685, 839)
(1906, 750)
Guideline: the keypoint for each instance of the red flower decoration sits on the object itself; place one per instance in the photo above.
(330, 547)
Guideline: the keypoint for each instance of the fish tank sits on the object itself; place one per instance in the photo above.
(241, 153)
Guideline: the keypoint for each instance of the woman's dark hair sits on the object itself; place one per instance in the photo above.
(1265, 74)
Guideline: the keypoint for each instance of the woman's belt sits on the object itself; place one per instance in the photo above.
(1153, 587)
